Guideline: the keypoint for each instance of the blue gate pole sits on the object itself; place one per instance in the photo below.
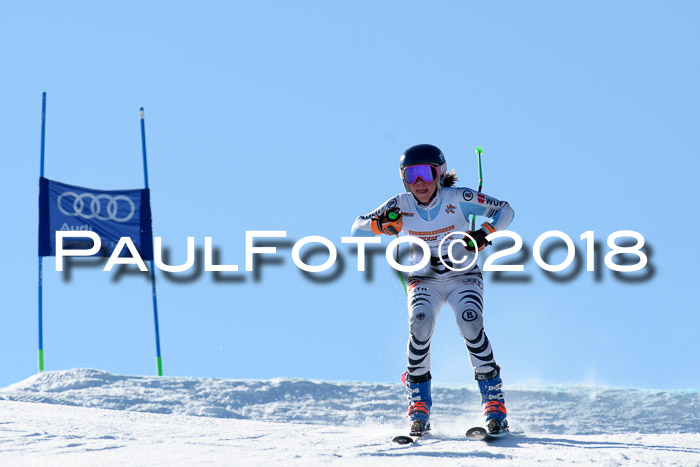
(41, 258)
(159, 360)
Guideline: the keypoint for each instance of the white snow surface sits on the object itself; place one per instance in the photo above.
(91, 417)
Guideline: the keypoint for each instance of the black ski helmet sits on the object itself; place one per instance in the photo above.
(423, 154)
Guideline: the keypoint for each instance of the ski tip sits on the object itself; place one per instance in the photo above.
(478, 433)
(403, 440)
(481, 434)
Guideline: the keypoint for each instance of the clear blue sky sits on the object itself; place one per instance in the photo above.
(292, 116)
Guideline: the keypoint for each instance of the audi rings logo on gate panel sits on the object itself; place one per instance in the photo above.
(119, 208)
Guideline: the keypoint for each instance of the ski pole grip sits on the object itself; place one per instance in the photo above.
(393, 214)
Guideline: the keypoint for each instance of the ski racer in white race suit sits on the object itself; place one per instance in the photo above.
(430, 209)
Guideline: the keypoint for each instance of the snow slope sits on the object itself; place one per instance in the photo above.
(88, 417)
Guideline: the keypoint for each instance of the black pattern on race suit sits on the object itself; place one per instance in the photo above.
(464, 294)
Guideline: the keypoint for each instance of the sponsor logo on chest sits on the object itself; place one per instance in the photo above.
(430, 235)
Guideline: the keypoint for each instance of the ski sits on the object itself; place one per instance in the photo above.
(418, 429)
(406, 439)
(479, 433)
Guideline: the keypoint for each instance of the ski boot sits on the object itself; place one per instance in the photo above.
(419, 399)
(492, 400)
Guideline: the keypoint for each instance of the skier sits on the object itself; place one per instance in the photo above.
(430, 209)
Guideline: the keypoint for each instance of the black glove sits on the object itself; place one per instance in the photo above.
(479, 237)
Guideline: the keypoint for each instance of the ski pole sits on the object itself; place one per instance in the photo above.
(393, 214)
(478, 151)
(403, 282)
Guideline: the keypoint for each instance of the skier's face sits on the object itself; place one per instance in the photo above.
(423, 191)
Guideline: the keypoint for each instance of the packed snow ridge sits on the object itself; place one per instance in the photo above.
(88, 417)
(579, 410)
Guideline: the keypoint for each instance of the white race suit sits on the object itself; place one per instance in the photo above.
(435, 284)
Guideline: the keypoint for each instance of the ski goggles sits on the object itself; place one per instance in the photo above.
(426, 172)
